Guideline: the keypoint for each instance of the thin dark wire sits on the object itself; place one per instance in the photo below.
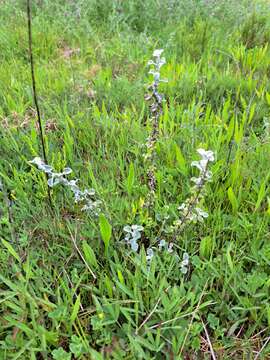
(34, 88)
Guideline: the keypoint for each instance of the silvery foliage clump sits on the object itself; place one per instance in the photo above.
(54, 178)
(155, 99)
(154, 96)
(164, 246)
(156, 65)
(190, 211)
(149, 256)
(184, 263)
(133, 234)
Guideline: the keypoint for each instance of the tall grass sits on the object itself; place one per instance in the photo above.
(124, 282)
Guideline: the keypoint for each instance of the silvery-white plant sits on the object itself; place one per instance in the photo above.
(163, 245)
(133, 234)
(155, 99)
(190, 210)
(149, 256)
(55, 178)
(184, 263)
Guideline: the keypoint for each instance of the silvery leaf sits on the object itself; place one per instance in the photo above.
(206, 154)
(184, 270)
(56, 181)
(185, 256)
(157, 52)
(202, 213)
(47, 168)
(91, 192)
(37, 161)
(170, 248)
(134, 246)
(161, 244)
(50, 182)
(198, 181)
(150, 254)
(137, 227)
(136, 236)
(67, 171)
(127, 228)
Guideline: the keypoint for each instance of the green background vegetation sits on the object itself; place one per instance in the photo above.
(91, 69)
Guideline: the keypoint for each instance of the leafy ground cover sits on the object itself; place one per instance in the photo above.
(71, 287)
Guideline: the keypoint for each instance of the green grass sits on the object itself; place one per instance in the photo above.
(91, 68)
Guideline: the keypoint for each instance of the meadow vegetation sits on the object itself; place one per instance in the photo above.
(155, 244)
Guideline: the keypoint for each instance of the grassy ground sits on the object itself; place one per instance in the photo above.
(63, 294)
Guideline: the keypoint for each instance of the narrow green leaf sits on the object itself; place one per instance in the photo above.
(261, 196)
(206, 247)
(105, 230)
(89, 254)
(130, 179)
(233, 200)
(75, 309)
(229, 258)
(180, 160)
(11, 250)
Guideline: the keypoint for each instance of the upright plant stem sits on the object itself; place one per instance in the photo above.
(31, 57)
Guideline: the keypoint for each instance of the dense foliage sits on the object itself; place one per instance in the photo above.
(128, 280)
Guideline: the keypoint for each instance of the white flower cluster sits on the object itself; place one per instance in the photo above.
(189, 209)
(55, 178)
